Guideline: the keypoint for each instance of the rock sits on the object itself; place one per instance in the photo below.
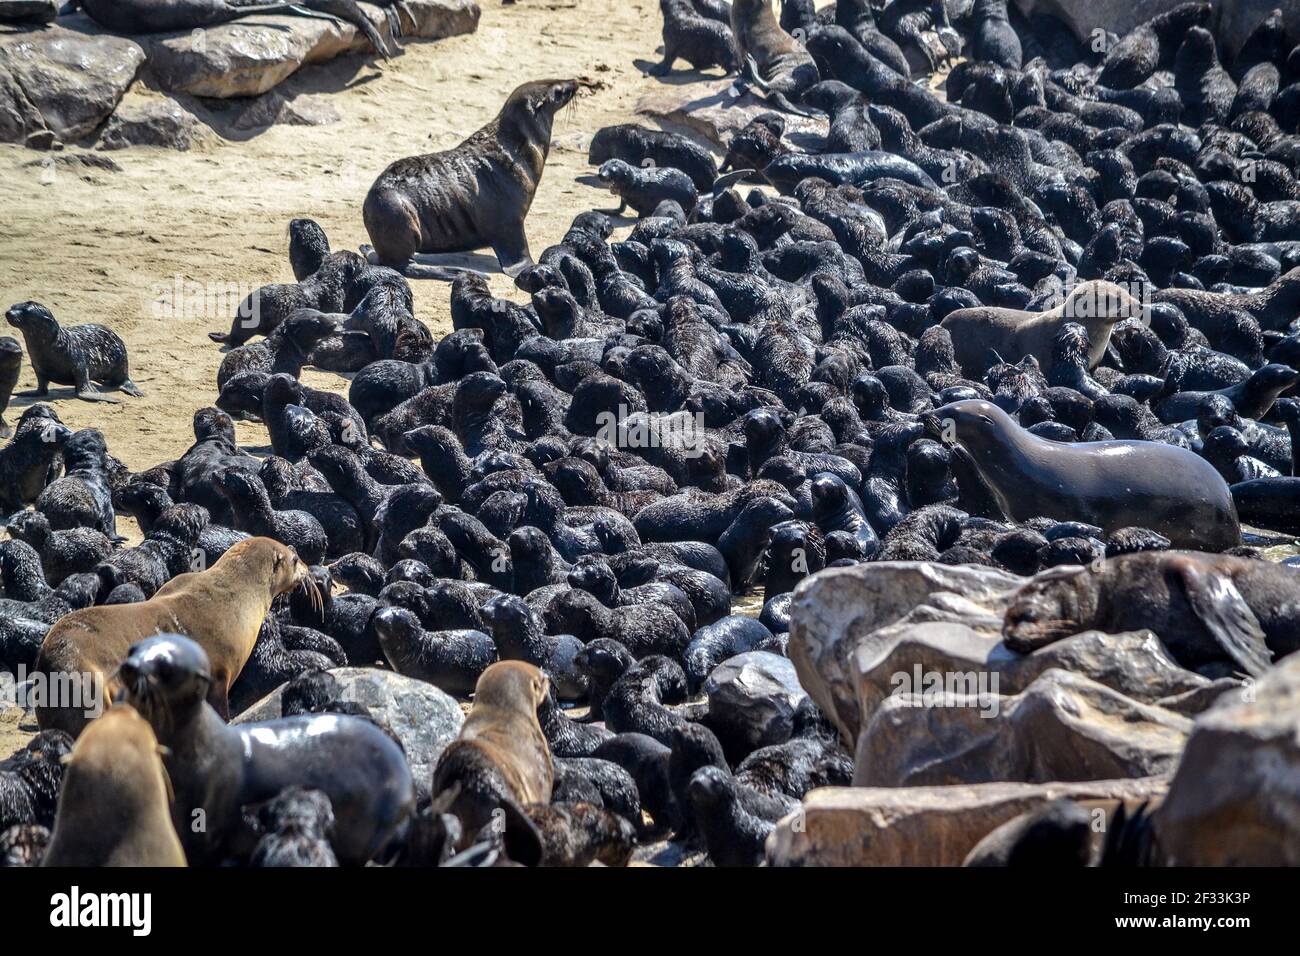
(59, 84)
(1235, 797)
(152, 122)
(918, 826)
(1063, 726)
(834, 611)
(28, 11)
(752, 699)
(82, 165)
(424, 718)
(252, 55)
(275, 109)
(716, 109)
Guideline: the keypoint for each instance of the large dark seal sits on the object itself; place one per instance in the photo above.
(217, 768)
(1110, 484)
(770, 56)
(11, 364)
(221, 608)
(1207, 608)
(113, 806)
(472, 196)
(76, 355)
(161, 16)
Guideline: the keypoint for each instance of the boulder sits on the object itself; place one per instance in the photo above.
(752, 699)
(152, 122)
(919, 826)
(59, 84)
(717, 109)
(28, 11)
(424, 718)
(275, 109)
(252, 55)
(1235, 797)
(1063, 726)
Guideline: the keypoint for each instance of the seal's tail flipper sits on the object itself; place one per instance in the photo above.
(1225, 615)
(132, 389)
(726, 180)
(416, 270)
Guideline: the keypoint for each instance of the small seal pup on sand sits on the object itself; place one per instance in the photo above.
(221, 608)
(472, 196)
(114, 805)
(76, 355)
(1110, 484)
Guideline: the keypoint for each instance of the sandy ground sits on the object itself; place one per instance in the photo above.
(103, 246)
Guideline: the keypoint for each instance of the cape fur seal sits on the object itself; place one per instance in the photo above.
(114, 807)
(1206, 608)
(472, 196)
(76, 355)
(1110, 484)
(772, 58)
(162, 16)
(221, 608)
(979, 332)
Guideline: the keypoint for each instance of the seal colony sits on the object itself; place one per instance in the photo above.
(1044, 324)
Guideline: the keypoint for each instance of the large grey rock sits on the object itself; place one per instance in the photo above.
(252, 55)
(58, 84)
(424, 718)
(28, 11)
(716, 109)
(275, 109)
(918, 826)
(1235, 797)
(753, 697)
(152, 121)
(1063, 726)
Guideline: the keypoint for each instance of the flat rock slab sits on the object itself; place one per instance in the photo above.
(424, 718)
(60, 84)
(252, 55)
(919, 826)
(717, 109)
(152, 121)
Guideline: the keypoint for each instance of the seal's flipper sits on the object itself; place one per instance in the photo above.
(511, 250)
(219, 336)
(88, 393)
(1225, 615)
(131, 389)
(521, 839)
(726, 180)
(417, 270)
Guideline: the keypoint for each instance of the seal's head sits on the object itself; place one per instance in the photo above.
(165, 678)
(511, 685)
(1274, 377)
(266, 559)
(32, 318)
(530, 109)
(1055, 605)
(972, 422)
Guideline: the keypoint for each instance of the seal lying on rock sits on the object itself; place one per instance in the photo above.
(1110, 484)
(1207, 608)
(472, 196)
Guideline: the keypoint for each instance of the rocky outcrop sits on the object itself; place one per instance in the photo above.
(152, 121)
(59, 85)
(716, 109)
(919, 826)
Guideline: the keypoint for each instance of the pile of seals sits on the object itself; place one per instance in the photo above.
(1042, 323)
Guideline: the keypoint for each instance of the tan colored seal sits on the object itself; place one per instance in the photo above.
(115, 805)
(500, 761)
(221, 608)
(979, 332)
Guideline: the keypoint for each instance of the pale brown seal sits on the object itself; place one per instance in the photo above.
(772, 58)
(115, 804)
(472, 196)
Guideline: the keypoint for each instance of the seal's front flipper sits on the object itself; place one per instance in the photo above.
(780, 102)
(726, 180)
(417, 270)
(88, 393)
(511, 250)
(219, 336)
(1225, 615)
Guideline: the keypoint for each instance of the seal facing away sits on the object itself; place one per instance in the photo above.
(472, 196)
(1110, 484)
(114, 806)
(221, 608)
(1208, 609)
(773, 58)
(75, 355)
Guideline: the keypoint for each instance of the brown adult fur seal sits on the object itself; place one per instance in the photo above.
(115, 803)
(501, 761)
(1207, 608)
(1111, 484)
(771, 57)
(472, 196)
(221, 608)
(980, 331)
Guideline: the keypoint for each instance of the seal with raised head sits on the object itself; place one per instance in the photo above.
(217, 769)
(76, 355)
(472, 196)
(114, 806)
(1206, 608)
(771, 57)
(500, 761)
(1110, 484)
(221, 608)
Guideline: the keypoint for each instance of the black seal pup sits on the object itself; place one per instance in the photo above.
(76, 355)
(699, 40)
(1110, 484)
(11, 364)
(472, 196)
(637, 144)
(1207, 608)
